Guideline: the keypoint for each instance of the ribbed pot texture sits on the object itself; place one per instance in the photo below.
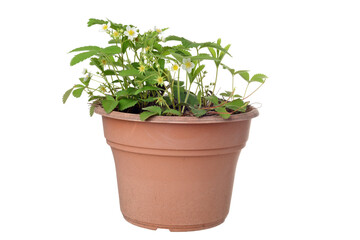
(175, 172)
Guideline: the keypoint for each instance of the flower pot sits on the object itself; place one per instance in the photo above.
(175, 172)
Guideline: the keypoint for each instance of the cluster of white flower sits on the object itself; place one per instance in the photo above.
(187, 65)
(132, 33)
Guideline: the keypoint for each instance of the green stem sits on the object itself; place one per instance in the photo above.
(247, 86)
(110, 88)
(216, 77)
(159, 95)
(253, 91)
(178, 88)
(94, 89)
(187, 94)
(233, 89)
(201, 88)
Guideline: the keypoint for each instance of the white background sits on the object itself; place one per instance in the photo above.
(297, 178)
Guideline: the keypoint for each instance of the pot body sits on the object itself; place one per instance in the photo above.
(174, 173)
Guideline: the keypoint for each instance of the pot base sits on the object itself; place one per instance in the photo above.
(174, 228)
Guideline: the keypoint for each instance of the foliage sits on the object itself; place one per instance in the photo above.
(141, 73)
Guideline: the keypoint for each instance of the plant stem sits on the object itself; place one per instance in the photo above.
(164, 101)
(246, 88)
(233, 89)
(110, 88)
(187, 94)
(253, 91)
(216, 77)
(178, 88)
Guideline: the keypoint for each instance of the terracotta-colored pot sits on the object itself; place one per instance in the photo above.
(175, 172)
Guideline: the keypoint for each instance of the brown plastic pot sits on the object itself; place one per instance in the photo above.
(175, 172)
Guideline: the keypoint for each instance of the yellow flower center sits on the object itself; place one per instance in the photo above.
(103, 61)
(116, 34)
(158, 30)
(188, 64)
(175, 67)
(160, 80)
(131, 32)
(105, 27)
(147, 48)
(142, 68)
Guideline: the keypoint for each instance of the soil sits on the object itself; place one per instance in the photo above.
(187, 113)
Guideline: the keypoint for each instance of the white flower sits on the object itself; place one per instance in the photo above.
(131, 32)
(174, 67)
(158, 30)
(84, 71)
(187, 65)
(105, 27)
(87, 76)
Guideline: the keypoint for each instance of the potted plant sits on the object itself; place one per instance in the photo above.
(175, 141)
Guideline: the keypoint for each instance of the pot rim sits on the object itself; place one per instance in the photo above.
(178, 119)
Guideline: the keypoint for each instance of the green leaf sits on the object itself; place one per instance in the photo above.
(66, 95)
(192, 99)
(222, 54)
(203, 56)
(86, 48)
(199, 96)
(93, 21)
(96, 62)
(154, 109)
(124, 46)
(109, 104)
(112, 50)
(126, 103)
(146, 88)
(216, 46)
(213, 99)
(228, 94)
(114, 41)
(198, 112)
(77, 93)
(258, 78)
(149, 99)
(180, 50)
(92, 109)
(177, 56)
(172, 112)
(162, 63)
(198, 70)
(81, 57)
(231, 70)
(244, 74)
(126, 92)
(237, 105)
(222, 112)
(157, 46)
(86, 83)
(212, 51)
(195, 72)
(146, 115)
(186, 43)
(129, 72)
(95, 98)
(109, 72)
